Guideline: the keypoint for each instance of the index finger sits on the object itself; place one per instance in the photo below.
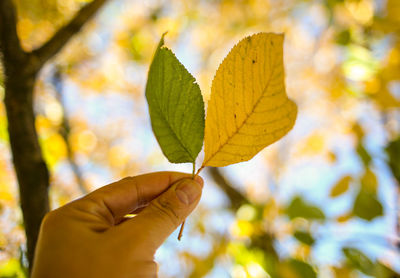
(124, 196)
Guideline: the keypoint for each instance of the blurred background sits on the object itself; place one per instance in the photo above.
(322, 202)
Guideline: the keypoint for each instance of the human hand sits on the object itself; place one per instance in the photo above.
(91, 237)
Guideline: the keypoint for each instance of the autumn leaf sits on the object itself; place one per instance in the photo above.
(176, 107)
(248, 109)
(345, 217)
(341, 186)
(342, 272)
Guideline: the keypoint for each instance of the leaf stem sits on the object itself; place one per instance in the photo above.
(181, 230)
(183, 223)
(198, 171)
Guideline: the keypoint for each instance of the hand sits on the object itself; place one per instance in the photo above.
(91, 237)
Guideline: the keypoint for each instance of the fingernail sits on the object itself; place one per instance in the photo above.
(188, 191)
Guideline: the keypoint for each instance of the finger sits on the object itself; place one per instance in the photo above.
(164, 214)
(129, 215)
(129, 194)
(138, 210)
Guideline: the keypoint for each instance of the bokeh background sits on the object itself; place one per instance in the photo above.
(321, 202)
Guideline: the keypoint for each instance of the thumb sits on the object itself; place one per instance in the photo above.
(165, 213)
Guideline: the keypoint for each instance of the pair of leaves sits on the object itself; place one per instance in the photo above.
(248, 109)
(366, 205)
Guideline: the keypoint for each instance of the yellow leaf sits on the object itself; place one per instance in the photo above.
(345, 217)
(342, 272)
(242, 228)
(313, 145)
(341, 186)
(248, 108)
(393, 10)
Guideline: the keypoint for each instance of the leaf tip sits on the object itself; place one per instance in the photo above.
(161, 43)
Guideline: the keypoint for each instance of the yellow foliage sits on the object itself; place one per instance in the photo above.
(54, 149)
(288, 272)
(271, 210)
(43, 124)
(11, 268)
(248, 109)
(246, 212)
(332, 157)
(302, 251)
(242, 228)
(393, 10)
(341, 186)
(238, 271)
(83, 141)
(344, 217)
(372, 86)
(314, 144)
(342, 272)
(385, 99)
(362, 11)
(54, 112)
(255, 270)
(5, 193)
(25, 28)
(118, 157)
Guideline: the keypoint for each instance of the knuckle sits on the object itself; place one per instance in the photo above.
(165, 209)
(50, 220)
(139, 194)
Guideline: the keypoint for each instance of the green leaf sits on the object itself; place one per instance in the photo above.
(360, 261)
(176, 107)
(343, 37)
(369, 181)
(366, 206)
(304, 237)
(382, 271)
(299, 208)
(302, 269)
(363, 154)
(393, 152)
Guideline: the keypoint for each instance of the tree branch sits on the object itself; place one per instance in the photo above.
(62, 36)
(237, 199)
(57, 81)
(9, 41)
(264, 240)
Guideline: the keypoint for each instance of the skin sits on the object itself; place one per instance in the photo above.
(91, 237)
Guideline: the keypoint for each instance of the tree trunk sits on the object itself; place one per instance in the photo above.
(21, 69)
(31, 170)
